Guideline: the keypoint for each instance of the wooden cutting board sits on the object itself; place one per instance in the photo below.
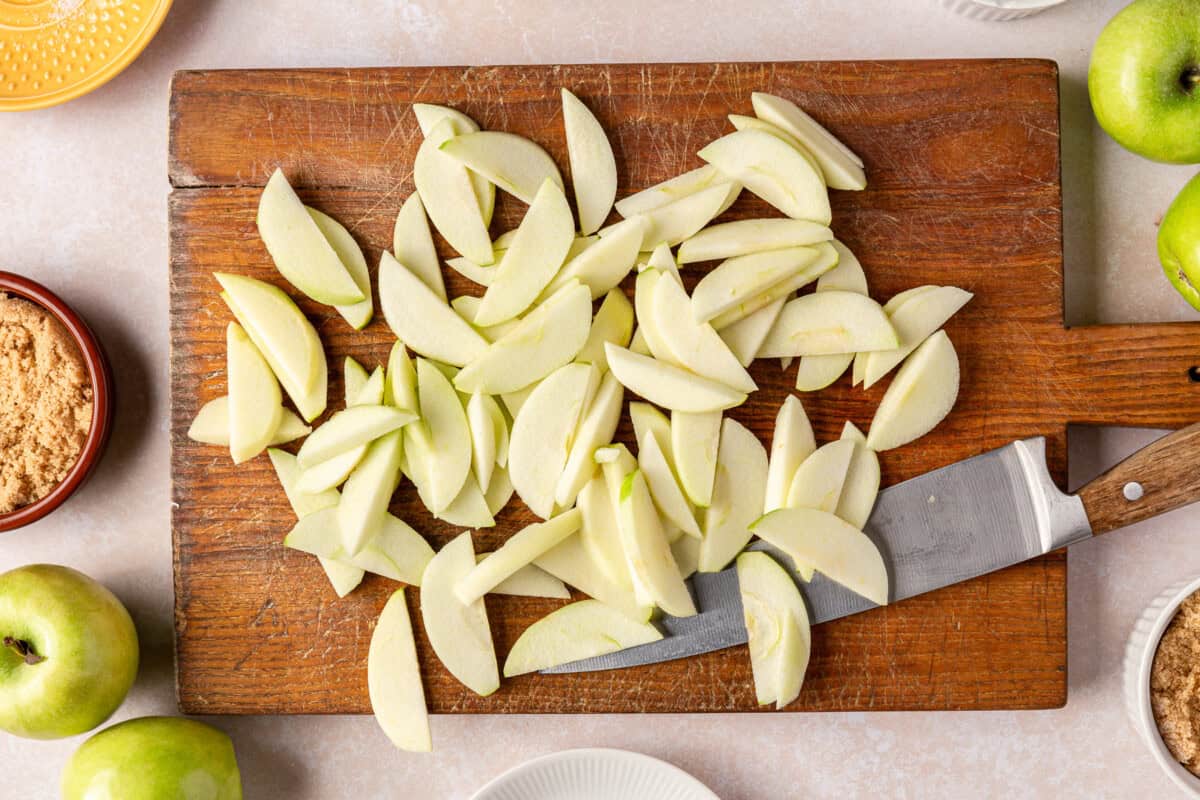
(963, 161)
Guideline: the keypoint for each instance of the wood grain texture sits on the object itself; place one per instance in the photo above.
(964, 189)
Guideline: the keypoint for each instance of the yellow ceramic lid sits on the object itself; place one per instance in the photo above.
(52, 51)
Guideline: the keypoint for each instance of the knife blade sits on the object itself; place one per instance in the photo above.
(950, 525)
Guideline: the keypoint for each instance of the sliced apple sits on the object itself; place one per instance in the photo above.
(745, 337)
(647, 419)
(826, 261)
(449, 194)
(647, 549)
(514, 400)
(738, 280)
(664, 489)
(678, 220)
(748, 236)
(354, 378)
(842, 169)
(284, 336)
(773, 170)
(791, 444)
(467, 307)
(499, 492)
(331, 473)
(777, 626)
(920, 396)
(422, 320)
(571, 563)
(819, 479)
(394, 679)
(613, 323)
(737, 499)
(357, 314)
(669, 191)
(470, 508)
(847, 276)
(742, 122)
(299, 249)
(396, 552)
(412, 245)
(211, 425)
(368, 491)
(596, 427)
(862, 481)
(483, 438)
(428, 116)
(831, 545)
(686, 550)
(537, 252)
(458, 631)
(829, 322)
(254, 396)
(669, 386)
(817, 372)
(477, 273)
(638, 343)
(549, 337)
(914, 320)
(580, 630)
(518, 551)
(593, 167)
(695, 345)
(695, 442)
(598, 530)
(529, 581)
(514, 163)
(542, 433)
(443, 416)
(348, 429)
(605, 264)
(648, 327)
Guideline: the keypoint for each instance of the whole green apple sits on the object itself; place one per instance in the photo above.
(154, 758)
(1144, 79)
(1179, 242)
(68, 652)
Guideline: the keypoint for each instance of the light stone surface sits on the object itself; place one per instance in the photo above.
(83, 199)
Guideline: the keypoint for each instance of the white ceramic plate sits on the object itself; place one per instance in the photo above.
(595, 774)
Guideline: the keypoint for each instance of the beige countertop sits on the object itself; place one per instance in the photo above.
(83, 199)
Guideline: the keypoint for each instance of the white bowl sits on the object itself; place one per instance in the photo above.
(1000, 10)
(595, 774)
(1139, 658)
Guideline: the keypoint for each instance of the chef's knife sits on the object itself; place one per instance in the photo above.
(950, 525)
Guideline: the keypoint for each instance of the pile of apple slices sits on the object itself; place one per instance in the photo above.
(520, 391)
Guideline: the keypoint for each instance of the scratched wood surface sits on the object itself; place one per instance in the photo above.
(963, 160)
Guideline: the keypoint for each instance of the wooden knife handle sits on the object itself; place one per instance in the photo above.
(1156, 479)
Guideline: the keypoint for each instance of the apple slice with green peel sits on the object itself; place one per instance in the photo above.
(834, 547)
(541, 434)
(348, 429)
(368, 491)
(580, 630)
(643, 300)
(299, 248)
(777, 627)
(862, 480)
(593, 167)
(514, 163)
(255, 409)
(742, 278)
(824, 323)
(549, 337)
(445, 419)
(598, 531)
(396, 552)
(467, 307)
(422, 320)
(745, 337)
(394, 679)
(669, 191)
(211, 425)
(458, 631)
(842, 169)
(351, 255)
(819, 479)
(681, 219)
(695, 443)
(596, 427)
(826, 261)
(791, 443)
(400, 381)
(448, 193)
(571, 563)
(773, 170)
(914, 320)
(647, 419)
(537, 252)
(529, 581)
(332, 473)
(664, 489)
(428, 116)
(354, 378)
(483, 439)
(647, 549)
(602, 266)
(613, 322)
(737, 498)
(284, 336)
(920, 396)
(669, 386)
(518, 551)
(695, 345)
(412, 245)
(686, 551)
(749, 236)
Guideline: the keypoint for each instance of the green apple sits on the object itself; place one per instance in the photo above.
(68, 652)
(1179, 242)
(152, 758)
(1144, 79)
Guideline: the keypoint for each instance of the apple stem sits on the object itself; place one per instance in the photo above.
(23, 649)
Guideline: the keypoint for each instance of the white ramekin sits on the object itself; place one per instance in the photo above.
(1139, 658)
(1000, 10)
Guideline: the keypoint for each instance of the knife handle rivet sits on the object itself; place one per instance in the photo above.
(1132, 491)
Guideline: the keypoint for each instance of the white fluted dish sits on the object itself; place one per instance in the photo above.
(1000, 10)
(1139, 659)
(595, 774)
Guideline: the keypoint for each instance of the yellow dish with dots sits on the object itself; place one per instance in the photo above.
(52, 51)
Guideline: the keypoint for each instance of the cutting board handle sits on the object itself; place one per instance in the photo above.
(1160, 477)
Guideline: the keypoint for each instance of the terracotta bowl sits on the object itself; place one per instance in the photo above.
(103, 398)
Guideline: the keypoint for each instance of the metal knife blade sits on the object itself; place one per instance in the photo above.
(958, 522)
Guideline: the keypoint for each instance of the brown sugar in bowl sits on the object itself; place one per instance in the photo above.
(103, 398)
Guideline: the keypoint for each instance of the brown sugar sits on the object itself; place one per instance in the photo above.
(45, 403)
(1175, 685)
